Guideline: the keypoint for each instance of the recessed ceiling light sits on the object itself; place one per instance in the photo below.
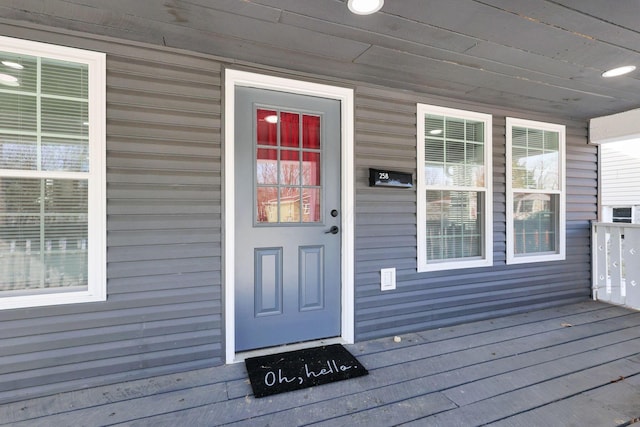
(619, 71)
(12, 64)
(8, 80)
(364, 7)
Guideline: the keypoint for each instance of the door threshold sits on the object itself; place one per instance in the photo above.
(240, 357)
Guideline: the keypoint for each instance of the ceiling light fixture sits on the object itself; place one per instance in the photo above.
(13, 65)
(8, 80)
(364, 7)
(435, 131)
(271, 119)
(615, 72)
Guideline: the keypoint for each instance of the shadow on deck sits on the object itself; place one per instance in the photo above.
(577, 365)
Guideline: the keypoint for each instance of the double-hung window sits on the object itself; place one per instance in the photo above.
(535, 191)
(52, 175)
(454, 189)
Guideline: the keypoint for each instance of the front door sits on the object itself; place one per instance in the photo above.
(287, 205)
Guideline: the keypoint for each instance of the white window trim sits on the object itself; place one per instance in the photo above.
(612, 207)
(96, 245)
(560, 254)
(487, 259)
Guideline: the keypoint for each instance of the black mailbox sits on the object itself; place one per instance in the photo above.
(387, 178)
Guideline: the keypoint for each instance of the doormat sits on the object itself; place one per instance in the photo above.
(294, 370)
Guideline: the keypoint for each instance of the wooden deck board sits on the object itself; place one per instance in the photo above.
(448, 343)
(539, 372)
(439, 368)
(123, 392)
(537, 395)
(616, 396)
(605, 406)
(552, 315)
(359, 409)
(528, 369)
(128, 410)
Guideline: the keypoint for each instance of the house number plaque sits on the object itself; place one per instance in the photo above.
(387, 178)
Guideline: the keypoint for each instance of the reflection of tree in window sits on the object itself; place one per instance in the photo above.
(535, 166)
(287, 167)
(43, 221)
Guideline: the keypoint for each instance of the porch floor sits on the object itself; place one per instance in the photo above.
(576, 365)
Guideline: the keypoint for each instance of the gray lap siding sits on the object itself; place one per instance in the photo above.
(164, 311)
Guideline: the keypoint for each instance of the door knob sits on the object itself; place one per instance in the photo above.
(333, 230)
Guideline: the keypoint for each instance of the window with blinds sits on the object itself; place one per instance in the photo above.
(52, 208)
(454, 189)
(535, 191)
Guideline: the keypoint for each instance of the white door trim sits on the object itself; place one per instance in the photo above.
(234, 78)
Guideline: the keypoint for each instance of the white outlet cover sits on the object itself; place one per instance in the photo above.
(387, 279)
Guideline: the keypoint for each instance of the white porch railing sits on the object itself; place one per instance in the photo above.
(616, 263)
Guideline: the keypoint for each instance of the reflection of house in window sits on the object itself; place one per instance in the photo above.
(535, 191)
(290, 209)
(534, 222)
(287, 167)
(529, 204)
(299, 194)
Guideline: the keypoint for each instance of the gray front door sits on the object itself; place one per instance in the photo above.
(287, 204)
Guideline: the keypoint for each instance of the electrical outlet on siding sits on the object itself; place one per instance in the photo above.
(387, 279)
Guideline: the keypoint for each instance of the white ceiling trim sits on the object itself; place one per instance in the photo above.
(616, 127)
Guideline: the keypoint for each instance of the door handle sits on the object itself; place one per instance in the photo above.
(333, 230)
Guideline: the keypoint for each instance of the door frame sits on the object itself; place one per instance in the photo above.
(234, 78)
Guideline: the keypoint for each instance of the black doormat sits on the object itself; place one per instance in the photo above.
(293, 370)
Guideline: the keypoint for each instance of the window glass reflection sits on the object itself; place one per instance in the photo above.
(288, 167)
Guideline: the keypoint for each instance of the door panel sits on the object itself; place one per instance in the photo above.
(311, 280)
(287, 183)
(268, 283)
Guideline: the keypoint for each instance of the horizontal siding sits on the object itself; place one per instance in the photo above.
(386, 229)
(620, 175)
(165, 310)
(164, 307)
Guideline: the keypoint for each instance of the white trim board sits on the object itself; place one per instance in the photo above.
(233, 79)
(616, 127)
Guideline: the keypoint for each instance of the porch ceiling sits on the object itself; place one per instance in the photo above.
(536, 55)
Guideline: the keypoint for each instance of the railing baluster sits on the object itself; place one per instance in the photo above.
(616, 263)
(601, 264)
(631, 256)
